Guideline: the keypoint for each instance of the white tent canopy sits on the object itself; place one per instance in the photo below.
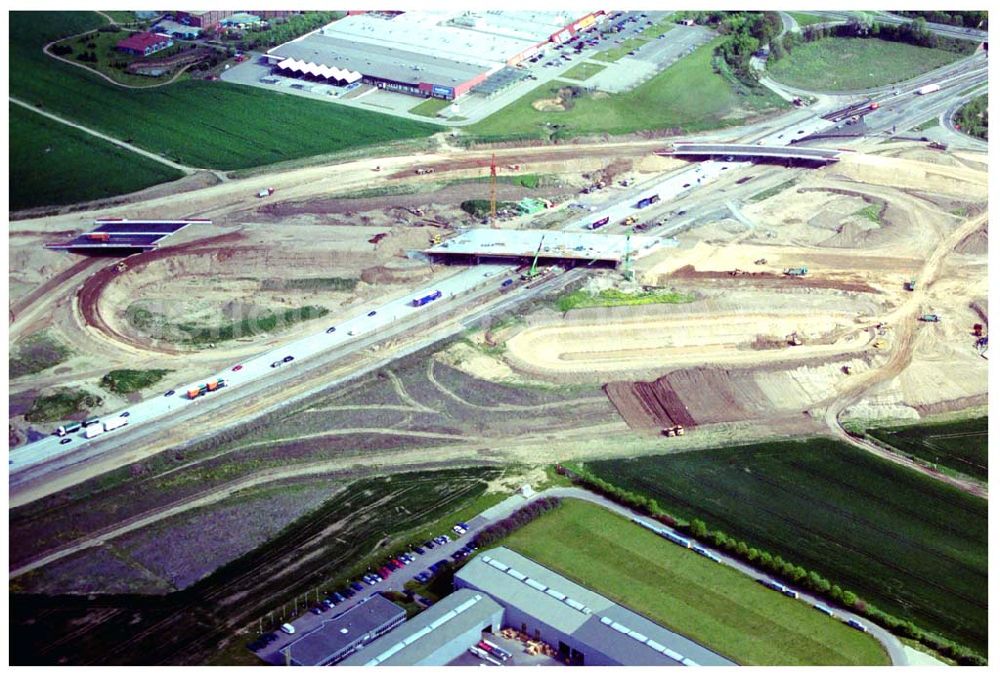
(317, 70)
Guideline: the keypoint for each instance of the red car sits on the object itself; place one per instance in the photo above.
(238, 367)
(384, 572)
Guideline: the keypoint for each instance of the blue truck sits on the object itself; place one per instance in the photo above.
(647, 201)
(424, 300)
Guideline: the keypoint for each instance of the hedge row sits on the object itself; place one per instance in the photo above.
(495, 532)
(773, 564)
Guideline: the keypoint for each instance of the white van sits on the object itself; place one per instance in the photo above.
(287, 628)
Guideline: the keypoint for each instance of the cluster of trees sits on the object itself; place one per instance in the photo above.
(110, 28)
(61, 50)
(746, 33)
(774, 564)
(974, 118)
(966, 19)
(865, 26)
(281, 29)
(522, 517)
(90, 57)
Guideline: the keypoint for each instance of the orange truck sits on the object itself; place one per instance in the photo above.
(99, 236)
(210, 386)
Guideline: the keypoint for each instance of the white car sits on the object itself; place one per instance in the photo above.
(287, 628)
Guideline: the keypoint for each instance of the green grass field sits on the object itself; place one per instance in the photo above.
(430, 107)
(961, 446)
(845, 64)
(709, 101)
(583, 71)
(614, 298)
(906, 543)
(199, 123)
(710, 603)
(805, 19)
(52, 164)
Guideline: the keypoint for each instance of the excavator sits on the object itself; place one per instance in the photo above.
(533, 272)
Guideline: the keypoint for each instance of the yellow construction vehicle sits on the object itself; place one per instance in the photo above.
(878, 344)
(630, 220)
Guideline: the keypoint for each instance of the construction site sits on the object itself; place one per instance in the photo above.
(462, 310)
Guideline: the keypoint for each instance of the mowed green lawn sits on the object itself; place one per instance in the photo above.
(52, 164)
(962, 446)
(806, 19)
(688, 95)
(199, 123)
(583, 71)
(710, 603)
(906, 543)
(845, 64)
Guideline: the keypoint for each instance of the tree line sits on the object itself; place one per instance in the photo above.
(495, 532)
(771, 563)
(866, 27)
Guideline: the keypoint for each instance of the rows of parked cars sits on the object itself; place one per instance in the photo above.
(384, 571)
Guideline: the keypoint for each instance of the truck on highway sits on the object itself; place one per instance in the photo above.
(601, 222)
(424, 300)
(91, 431)
(929, 318)
(796, 272)
(266, 192)
(647, 201)
(210, 386)
(115, 423)
(99, 236)
(63, 430)
(928, 89)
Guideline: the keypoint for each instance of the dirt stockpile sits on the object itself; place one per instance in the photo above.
(912, 174)
(771, 280)
(976, 243)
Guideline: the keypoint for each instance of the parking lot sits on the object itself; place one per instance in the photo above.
(549, 65)
(422, 560)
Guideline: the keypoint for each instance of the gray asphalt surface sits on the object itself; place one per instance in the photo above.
(396, 581)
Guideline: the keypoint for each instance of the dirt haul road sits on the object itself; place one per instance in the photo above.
(904, 318)
(631, 344)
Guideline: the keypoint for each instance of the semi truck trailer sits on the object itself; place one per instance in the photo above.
(210, 386)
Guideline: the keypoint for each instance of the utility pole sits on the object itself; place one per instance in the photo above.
(493, 191)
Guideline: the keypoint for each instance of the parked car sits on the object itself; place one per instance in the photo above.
(419, 550)
(316, 610)
(287, 628)
(328, 603)
(352, 589)
(338, 597)
(429, 545)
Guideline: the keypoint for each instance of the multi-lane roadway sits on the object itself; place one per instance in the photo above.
(896, 106)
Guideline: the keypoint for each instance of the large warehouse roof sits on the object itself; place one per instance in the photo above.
(378, 60)
(435, 32)
(324, 642)
(557, 244)
(621, 634)
(416, 639)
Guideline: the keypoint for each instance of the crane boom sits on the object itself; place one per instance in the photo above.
(533, 272)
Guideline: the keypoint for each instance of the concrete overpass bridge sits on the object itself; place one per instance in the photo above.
(734, 151)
